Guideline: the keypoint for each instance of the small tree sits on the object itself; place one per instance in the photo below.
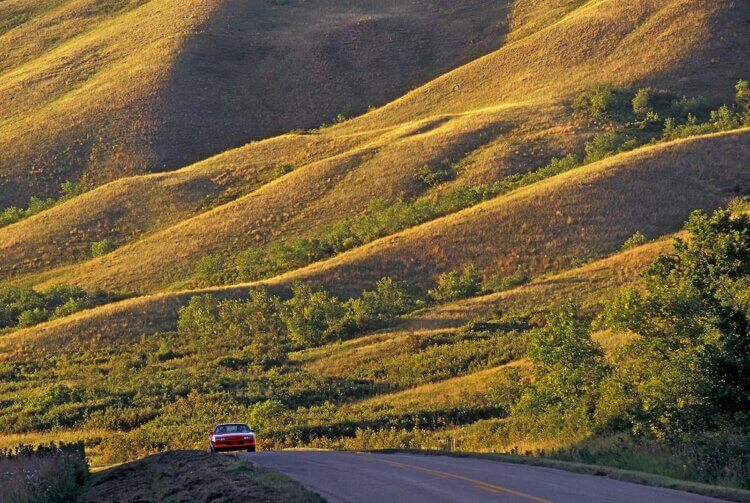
(200, 318)
(102, 247)
(598, 101)
(381, 306)
(456, 285)
(601, 146)
(634, 241)
(213, 270)
(742, 97)
(312, 317)
(567, 368)
(69, 190)
(642, 103)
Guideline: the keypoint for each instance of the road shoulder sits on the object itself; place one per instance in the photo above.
(646, 479)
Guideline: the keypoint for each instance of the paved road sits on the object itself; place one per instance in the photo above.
(395, 478)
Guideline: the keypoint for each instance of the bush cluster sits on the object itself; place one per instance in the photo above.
(24, 307)
(13, 214)
(382, 218)
(685, 368)
(265, 326)
(655, 115)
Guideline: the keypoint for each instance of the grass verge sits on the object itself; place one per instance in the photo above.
(193, 476)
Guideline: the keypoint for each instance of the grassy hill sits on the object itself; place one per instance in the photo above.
(507, 140)
(470, 118)
(99, 91)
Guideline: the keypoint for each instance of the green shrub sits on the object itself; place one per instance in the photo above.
(384, 305)
(32, 317)
(603, 145)
(742, 96)
(69, 190)
(642, 103)
(213, 270)
(13, 214)
(502, 283)
(199, 319)
(25, 307)
(454, 285)
(690, 106)
(634, 241)
(597, 102)
(739, 204)
(312, 317)
(433, 176)
(102, 247)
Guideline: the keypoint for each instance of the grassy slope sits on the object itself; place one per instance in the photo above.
(108, 89)
(496, 113)
(126, 320)
(603, 203)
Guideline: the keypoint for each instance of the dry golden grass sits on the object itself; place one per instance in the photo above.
(591, 210)
(109, 89)
(543, 228)
(467, 391)
(483, 112)
(317, 193)
(499, 113)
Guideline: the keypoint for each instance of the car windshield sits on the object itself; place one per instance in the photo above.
(232, 428)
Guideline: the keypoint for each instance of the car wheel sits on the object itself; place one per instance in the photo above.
(251, 449)
(211, 448)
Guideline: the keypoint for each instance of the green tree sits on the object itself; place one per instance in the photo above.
(742, 96)
(642, 103)
(598, 101)
(634, 241)
(254, 326)
(102, 247)
(724, 119)
(454, 285)
(312, 316)
(689, 363)
(382, 306)
(567, 368)
(199, 319)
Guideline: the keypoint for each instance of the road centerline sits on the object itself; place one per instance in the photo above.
(477, 483)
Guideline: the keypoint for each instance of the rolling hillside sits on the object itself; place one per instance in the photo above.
(189, 122)
(101, 90)
(469, 115)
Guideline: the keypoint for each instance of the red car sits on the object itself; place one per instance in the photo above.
(232, 437)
